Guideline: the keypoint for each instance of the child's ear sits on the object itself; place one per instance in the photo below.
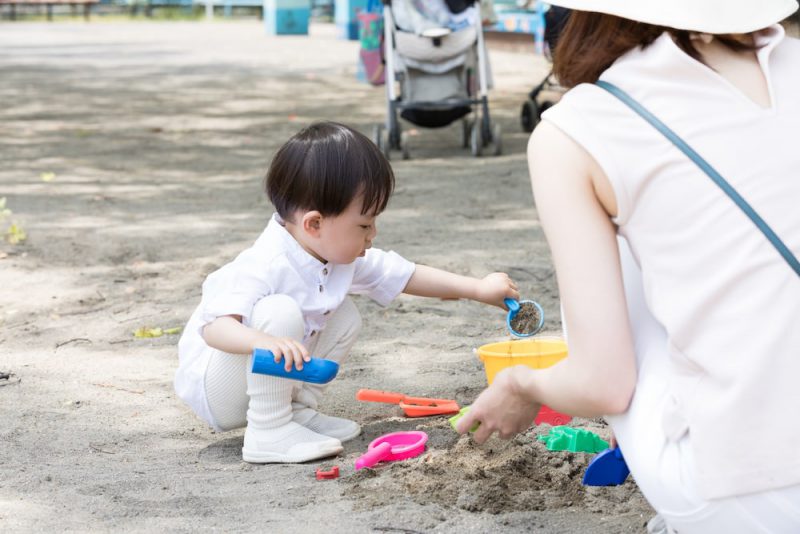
(312, 221)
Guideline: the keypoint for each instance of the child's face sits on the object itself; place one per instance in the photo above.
(347, 236)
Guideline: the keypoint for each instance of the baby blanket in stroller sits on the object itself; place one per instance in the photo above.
(418, 16)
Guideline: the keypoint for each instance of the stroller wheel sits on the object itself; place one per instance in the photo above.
(476, 139)
(466, 127)
(497, 139)
(376, 135)
(395, 136)
(529, 116)
(404, 145)
(385, 143)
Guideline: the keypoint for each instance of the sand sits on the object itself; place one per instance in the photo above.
(157, 136)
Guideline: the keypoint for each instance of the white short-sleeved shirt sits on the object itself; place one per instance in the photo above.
(729, 302)
(278, 264)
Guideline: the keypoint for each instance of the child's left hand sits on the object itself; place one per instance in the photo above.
(495, 287)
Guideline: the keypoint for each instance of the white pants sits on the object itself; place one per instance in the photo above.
(663, 467)
(278, 315)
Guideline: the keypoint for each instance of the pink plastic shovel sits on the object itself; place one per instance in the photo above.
(393, 447)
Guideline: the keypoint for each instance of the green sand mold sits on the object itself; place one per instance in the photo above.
(453, 420)
(565, 438)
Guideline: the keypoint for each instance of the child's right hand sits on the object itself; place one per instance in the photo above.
(292, 352)
(495, 287)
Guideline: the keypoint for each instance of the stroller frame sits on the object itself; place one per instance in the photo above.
(531, 112)
(476, 134)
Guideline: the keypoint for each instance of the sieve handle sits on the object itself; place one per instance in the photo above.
(512, 305)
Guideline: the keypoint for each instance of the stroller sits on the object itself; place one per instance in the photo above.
(437, 64)
(531, 113)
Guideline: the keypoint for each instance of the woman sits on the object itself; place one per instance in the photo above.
(706, 416)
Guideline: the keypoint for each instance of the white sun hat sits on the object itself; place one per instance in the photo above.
(704, 16)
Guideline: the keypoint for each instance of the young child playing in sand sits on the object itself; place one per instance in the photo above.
(288, 293)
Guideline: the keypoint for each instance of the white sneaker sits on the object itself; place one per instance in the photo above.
(291, 443)
(327, 425)
(657, 525)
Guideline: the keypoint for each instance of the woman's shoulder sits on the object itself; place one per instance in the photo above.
(554, 150)
(790, 45)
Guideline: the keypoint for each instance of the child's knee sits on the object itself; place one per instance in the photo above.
(351, 317)
(279, 316)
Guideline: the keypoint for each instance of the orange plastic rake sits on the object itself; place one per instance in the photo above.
(412, 406)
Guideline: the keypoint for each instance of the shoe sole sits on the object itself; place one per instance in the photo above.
(276, 458)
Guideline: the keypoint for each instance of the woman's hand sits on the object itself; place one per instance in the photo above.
(504, 407)
(495, 287)
(292, 351)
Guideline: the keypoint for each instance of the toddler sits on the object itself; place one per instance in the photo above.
(288, 293)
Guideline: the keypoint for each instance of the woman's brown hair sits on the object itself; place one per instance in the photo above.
(591, 42)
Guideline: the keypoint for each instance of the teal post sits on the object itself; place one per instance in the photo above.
(286, 17)
(344, 14)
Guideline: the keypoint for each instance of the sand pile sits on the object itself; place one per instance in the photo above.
(499, 476)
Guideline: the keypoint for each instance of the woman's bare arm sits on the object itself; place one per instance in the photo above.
(599, 374)
(431, 282)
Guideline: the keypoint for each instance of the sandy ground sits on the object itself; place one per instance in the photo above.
(158, 135)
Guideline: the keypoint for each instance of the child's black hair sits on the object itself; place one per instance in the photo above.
(324, 167)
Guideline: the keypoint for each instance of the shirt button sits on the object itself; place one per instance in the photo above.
(326, 313)
(320, 288)
(325, 270)
(313, 332)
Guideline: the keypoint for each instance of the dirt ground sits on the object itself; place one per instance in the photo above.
(131, 154)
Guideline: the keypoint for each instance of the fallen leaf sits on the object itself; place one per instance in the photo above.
(148, 332)
(47, 176)
(15, 234)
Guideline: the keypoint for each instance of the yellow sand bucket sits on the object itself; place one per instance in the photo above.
(536, 353)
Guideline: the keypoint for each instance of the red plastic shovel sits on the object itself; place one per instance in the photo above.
(412, 406)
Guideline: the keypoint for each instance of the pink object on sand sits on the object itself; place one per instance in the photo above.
(393, 447)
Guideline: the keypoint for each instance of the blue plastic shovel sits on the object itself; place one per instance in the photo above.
(316, 371)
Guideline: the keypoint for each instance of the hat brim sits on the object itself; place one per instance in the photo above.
(709, 16)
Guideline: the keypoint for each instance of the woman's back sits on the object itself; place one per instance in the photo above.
(729, 302)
